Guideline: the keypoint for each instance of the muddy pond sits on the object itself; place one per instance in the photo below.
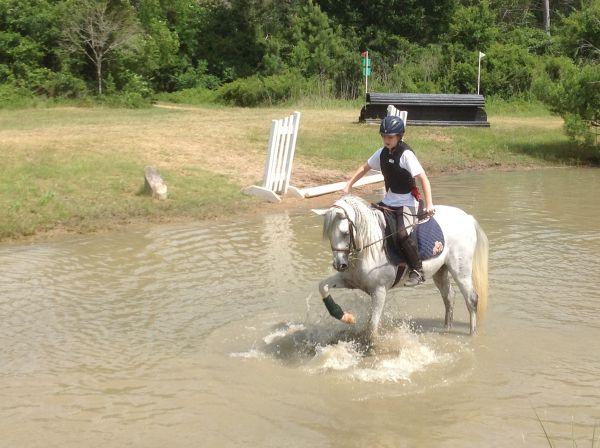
(213, 334)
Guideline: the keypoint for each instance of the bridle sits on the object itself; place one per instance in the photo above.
(351, 249)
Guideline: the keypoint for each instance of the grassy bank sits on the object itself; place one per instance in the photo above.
(520, 135)
(81, 169)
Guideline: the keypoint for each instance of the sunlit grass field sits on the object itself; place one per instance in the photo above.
(81, 169)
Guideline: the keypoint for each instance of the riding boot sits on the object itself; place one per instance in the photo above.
(411, 252)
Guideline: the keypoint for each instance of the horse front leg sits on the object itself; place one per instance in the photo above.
(377, 303)
(335, 281)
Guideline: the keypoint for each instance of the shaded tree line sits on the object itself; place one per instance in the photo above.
(252, 52)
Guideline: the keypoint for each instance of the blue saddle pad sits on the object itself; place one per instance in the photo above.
(430, 241)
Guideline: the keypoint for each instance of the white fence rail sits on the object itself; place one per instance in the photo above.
(280, 156)
(372, 178)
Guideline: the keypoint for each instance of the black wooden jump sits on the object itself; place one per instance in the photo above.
(426, 109)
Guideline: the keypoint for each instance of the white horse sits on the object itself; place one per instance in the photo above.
(355, 229)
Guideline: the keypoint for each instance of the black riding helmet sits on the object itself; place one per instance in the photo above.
(391, 125)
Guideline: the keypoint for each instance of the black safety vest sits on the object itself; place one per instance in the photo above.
(396, 178)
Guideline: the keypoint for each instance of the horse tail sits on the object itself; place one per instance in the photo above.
(480, 270)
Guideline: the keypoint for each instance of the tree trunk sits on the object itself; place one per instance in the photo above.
(99, 75)
(547, 16)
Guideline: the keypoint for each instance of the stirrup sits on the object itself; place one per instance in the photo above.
(414, 280)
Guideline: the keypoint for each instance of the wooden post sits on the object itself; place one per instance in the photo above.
(367, 75)
(155, 183)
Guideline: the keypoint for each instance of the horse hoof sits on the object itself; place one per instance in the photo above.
(348, 318)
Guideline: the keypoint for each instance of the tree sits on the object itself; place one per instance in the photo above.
(579, 33)
(28, 41)
(98, 29)
(547, 16)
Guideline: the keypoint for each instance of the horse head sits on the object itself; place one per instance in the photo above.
(339, 227)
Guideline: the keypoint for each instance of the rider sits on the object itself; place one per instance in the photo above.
(400, 167)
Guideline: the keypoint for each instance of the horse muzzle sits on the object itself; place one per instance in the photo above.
(340, 263)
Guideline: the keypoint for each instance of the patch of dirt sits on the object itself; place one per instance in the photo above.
(304, 175)
(436, 137)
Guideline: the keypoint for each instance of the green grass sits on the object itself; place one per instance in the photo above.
(573, 439)
(81, 169)
(47, 184)
(89, 192)
(516, 107)
(525, 136)
(196, 96)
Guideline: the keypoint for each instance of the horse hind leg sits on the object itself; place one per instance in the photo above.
(442, 280)
(465, 283)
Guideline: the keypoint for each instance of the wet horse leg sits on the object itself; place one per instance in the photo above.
(377, 303)
(442, 280)
(335, 281)
(465, 283)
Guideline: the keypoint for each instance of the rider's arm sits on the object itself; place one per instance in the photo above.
(426, 191)
(360, 172)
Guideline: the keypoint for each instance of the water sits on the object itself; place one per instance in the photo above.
(213, 334)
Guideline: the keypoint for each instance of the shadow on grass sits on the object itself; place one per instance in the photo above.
(559, 152)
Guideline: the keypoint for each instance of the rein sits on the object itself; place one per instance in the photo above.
(353, 250)
(392, 234)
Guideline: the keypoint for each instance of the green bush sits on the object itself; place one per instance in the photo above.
(462, 78)
(579, 129)
(536, 40)
(257, 90)
(579, 106)
(579, 33)
(507, 70)
(573, 92)
(13, 96)
(474, 26)
(196, 95)
(64, 85)
(128, 100)
(197, 77)
(246, 92)
(549, 74)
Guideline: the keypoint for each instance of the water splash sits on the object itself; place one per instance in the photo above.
(253, 353)
(394, 357)
(340, 356)
(286, 330)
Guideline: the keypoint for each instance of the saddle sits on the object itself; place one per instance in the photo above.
(427, 234)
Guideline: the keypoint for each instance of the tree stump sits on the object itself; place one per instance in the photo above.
(155, 183)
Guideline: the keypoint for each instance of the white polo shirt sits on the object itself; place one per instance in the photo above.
(409, 162)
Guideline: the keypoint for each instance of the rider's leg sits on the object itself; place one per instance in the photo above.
(405, 217)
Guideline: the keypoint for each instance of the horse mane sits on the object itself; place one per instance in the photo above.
(328, 220)
(366, 220)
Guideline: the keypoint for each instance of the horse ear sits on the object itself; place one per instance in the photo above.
(319, 211)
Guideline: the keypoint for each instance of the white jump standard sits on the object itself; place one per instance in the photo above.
(278, 167)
